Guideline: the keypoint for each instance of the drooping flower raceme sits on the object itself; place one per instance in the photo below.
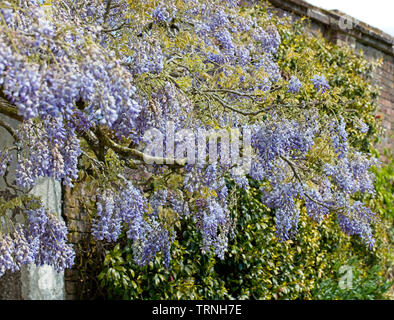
(42, 240)
(358, 221)
(320, 83)
(294, 85)
(51, 150)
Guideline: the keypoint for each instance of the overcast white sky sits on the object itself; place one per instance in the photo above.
(377, 13)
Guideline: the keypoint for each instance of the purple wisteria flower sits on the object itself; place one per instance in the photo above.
(362, 126)
(42, 240)
(357, 221)
(95, 80)
(294, 85)
(320, 83)
(160, 15)
(339, 137)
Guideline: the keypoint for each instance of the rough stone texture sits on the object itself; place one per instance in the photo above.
(10, 286)
(10, 283)
(342, 29)
(77, 222)
(6, 140)
(42, 283)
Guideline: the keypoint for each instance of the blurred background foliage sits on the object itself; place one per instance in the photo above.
(257, 265)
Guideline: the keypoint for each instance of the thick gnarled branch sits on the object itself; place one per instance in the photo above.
(8, 109)
(136, 154)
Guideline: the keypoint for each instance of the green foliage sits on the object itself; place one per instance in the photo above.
(373, 276)
(12, 206)
(383, 202)
(190, 276)
(370, 285)
(349, 75)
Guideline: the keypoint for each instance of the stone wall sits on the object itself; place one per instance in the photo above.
(343, 29)
(76, 219)
(10, 283)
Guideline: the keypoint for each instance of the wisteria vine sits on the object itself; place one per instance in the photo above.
(89, 79)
